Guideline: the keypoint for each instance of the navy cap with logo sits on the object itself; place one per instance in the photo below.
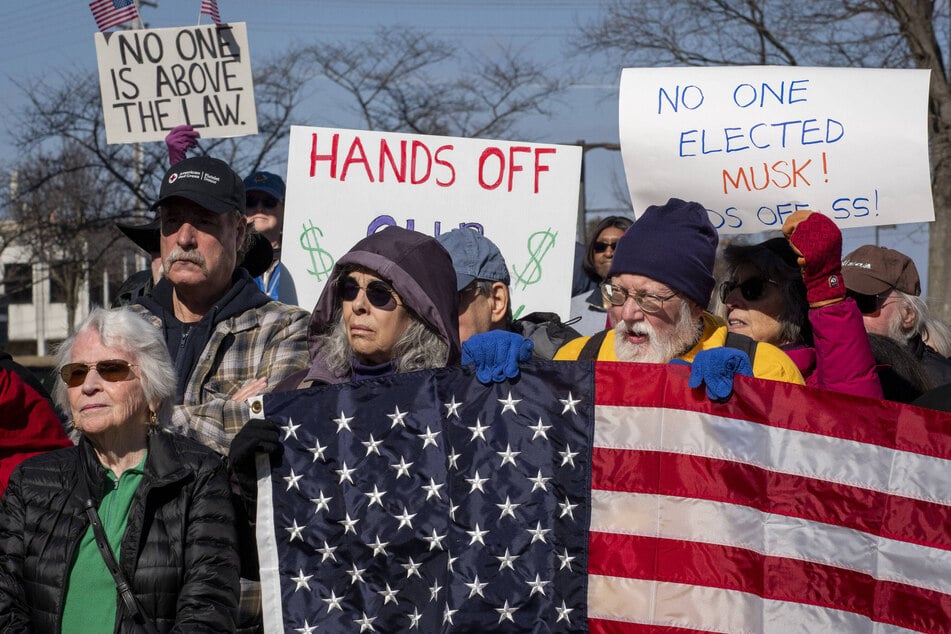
(206, 181)
(265, 182)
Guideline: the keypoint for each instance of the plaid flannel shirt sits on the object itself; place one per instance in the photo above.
(267, 341)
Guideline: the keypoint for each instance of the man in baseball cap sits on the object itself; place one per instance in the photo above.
(264, 209)
(885, 285)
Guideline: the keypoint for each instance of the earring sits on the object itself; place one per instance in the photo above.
(153, 418)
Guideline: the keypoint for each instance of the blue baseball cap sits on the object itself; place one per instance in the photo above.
(474, 257)
(265, 182)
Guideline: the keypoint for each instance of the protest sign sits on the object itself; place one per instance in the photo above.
(152, 80)
(343, 185)
(754, 144)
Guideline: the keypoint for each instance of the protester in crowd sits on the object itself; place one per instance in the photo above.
(264, 208)
(391, 306)
(901, 375)
(482, 277)
(255, 260)
(886, 287)
(589, 308)
(658, 287)
(228, 340)
(789, 292)
(158, 503)
(30, 425)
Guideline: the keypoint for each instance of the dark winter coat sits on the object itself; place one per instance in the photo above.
(179, 550)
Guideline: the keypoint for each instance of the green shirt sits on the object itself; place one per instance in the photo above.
(91, 594)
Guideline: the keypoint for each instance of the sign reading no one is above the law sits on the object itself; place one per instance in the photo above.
(152, 80)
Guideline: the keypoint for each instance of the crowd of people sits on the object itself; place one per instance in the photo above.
(141, 520)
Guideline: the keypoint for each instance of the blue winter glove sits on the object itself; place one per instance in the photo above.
(716, 368)
(496, 354)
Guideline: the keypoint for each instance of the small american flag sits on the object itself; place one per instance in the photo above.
(210, 8)
(110, 13)
(607, 498)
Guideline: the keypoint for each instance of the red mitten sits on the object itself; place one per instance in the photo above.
(818, 240)
(179, 140)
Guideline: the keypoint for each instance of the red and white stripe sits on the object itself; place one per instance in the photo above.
(210, 8)
(106, 15)
(785, 509)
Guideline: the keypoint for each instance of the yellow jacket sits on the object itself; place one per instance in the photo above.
(769, 363)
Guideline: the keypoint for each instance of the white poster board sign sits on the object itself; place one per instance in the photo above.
(343, 185)
(753, 144)
(152, 80)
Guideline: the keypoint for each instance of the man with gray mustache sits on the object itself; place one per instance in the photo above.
(229, 341)
(657, 291)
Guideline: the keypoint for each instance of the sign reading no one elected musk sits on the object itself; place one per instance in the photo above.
(754, 144)
(152, 80)
(343, 185)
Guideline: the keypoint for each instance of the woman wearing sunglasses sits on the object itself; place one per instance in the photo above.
(159, 503)
(599, 253)
(391, 306)
(789, 292)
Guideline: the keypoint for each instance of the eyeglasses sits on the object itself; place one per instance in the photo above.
(268, 202)
(647, 302)
(112, 370)
(869, 304)
(752, 289)
(601, 247)
(378, 293)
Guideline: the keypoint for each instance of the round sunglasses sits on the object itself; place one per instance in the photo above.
(379, 294)
(752, 289)
(112, 370)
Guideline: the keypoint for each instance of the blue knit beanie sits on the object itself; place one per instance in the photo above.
(674, 244)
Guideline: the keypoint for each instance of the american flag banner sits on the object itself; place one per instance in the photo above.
(111, 13)
(607, 498)
(210, 8)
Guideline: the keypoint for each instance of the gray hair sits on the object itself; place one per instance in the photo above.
(123, 328)
(919, 310)
(419, 348)
(484, 288)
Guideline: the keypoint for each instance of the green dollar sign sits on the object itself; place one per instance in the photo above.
(538, 245)
(321, 262)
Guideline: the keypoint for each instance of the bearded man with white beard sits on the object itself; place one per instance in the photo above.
(657, 291)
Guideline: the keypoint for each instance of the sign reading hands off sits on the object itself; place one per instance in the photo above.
(152, 80)
(754, 144)
(343, 185)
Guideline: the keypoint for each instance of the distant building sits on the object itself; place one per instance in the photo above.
(33, 303)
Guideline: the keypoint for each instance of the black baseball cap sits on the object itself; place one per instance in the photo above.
(205, 181)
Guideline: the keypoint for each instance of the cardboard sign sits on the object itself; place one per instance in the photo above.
(754, 144)
(152, 80)
(343, 185)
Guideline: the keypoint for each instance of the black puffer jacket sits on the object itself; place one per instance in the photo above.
(179, 550)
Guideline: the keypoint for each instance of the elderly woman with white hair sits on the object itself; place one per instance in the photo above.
(131, 530)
